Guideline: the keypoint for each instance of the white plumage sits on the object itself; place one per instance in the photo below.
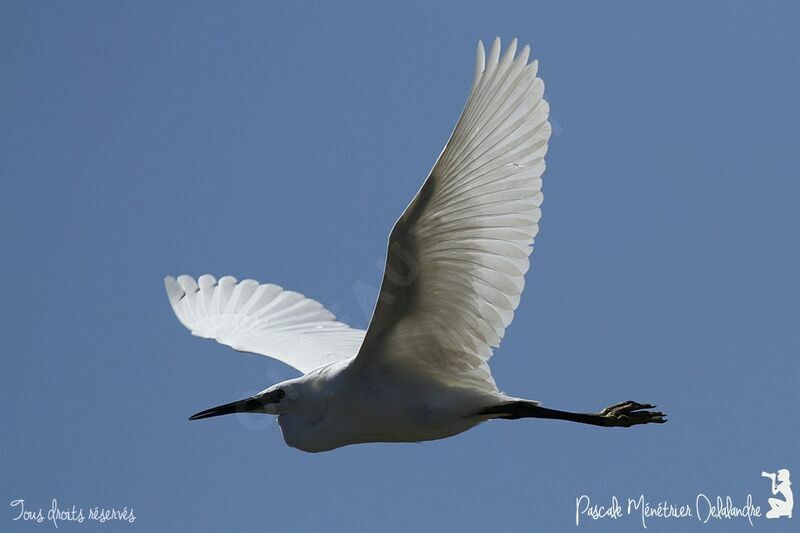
(454, 275)
(263, 319)
(458, 254)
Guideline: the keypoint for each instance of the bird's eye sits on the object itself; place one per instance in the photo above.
(279, 394)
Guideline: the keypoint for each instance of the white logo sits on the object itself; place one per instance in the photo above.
(780, 485)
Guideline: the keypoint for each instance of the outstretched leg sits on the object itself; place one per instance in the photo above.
(625, 414)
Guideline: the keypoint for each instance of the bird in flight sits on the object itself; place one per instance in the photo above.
(454, 274)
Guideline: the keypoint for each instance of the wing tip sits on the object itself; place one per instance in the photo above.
(206, 280)
(480, 62)
(174, 290)
(494, 54)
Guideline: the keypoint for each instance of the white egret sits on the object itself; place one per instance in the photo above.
(454, 274)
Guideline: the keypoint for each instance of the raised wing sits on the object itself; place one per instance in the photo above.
(263, 319)
(458, 254)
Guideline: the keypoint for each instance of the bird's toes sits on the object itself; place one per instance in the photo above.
(630, 413)
(623, 407)
(613, 408)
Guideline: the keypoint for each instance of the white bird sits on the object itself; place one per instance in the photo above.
(454, 274)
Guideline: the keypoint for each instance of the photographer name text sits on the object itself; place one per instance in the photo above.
(704, 510)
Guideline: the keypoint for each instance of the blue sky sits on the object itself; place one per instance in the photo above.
(280, 141)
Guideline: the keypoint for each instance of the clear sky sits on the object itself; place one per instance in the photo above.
(279, 141)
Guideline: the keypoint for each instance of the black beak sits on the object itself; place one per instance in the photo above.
(248, 405)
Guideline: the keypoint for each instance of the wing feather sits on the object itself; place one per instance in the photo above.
(458, 255)
(263, 319)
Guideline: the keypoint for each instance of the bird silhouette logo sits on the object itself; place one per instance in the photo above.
(780, 485)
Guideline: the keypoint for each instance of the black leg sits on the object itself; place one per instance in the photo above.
(623, 414)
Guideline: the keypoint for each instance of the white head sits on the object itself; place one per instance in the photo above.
(279, 399)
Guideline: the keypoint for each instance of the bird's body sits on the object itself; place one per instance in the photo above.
(339, 405)
(454, 275)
